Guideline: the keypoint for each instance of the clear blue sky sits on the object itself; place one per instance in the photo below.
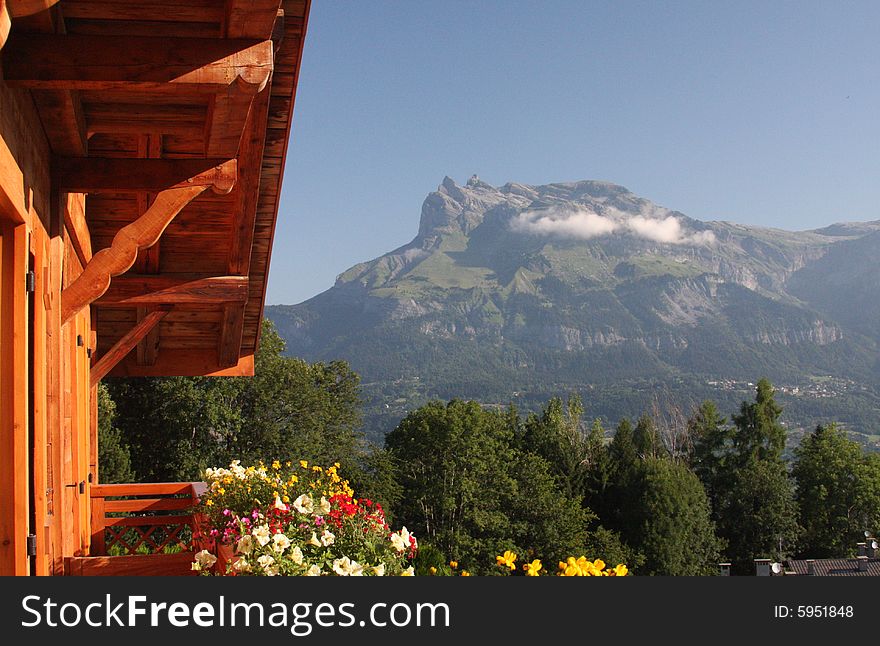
(756, 112)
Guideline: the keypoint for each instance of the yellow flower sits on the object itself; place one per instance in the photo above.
(433, 570)
(209, 502)
(507, 559)
(620, 570)
(532, 568)
(453, 564)
(304, 464)
(465, 573)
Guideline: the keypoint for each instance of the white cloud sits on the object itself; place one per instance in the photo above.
(564, 222)
(583, 223)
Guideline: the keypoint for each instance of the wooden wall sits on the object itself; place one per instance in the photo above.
(47, 408)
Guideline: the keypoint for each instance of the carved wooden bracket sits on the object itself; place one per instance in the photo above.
(121, 254)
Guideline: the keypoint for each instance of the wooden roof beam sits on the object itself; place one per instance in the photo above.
(115, 175)
(137, 290)
(125, 345)
(123, 118)
(123, 63)
(61, 113)
(250, 18)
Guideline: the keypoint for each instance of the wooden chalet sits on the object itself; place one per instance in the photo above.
(142, 147)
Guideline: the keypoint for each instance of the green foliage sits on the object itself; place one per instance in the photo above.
(178, 426)
(646, 439)
(838, 493)
(114, 457)
(711, 448)
(675, 531)
(758, 515)
(471, 492)
(759, 435)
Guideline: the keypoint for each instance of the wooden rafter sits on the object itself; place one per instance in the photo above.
(186, 120)
(143, 290)
(250, 18)
(125, 345)
(192, 11)
(62, 115)
(176, 65)
(110, 175)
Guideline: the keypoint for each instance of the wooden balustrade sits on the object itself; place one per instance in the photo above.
(153, 525)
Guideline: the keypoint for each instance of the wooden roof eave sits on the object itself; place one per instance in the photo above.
(224, 82)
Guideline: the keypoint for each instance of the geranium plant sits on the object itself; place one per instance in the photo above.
(297, 519)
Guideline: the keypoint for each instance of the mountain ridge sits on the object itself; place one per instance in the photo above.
(583, 276)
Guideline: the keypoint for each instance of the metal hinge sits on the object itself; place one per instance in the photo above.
(30, 282)
(31, 545)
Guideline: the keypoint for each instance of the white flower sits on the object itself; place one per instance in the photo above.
(237, 470)
(240, 566)
(304, 504)
(408, 572)
(401, 540)
(324, 507)
(327, 538)
(314, 540)
(268, 564)
(346, 567)
(204, 560)
(314, 571)
(280, 543)
(379, 570)
(245, 544)
(297, 555)
(261, 533)
(279, 504)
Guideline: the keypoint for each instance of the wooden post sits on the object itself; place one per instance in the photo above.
(98, 547)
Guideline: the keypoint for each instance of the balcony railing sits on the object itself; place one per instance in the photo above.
(141, 529)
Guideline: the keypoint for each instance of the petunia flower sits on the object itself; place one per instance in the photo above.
(280, 542)
(304, 504)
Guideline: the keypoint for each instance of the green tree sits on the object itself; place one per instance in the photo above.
(114, 458)
(838, 493)
(711, 443)
(674, 529)
(646, 439)
(578, 459)
(758, 515)
(759, 434)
